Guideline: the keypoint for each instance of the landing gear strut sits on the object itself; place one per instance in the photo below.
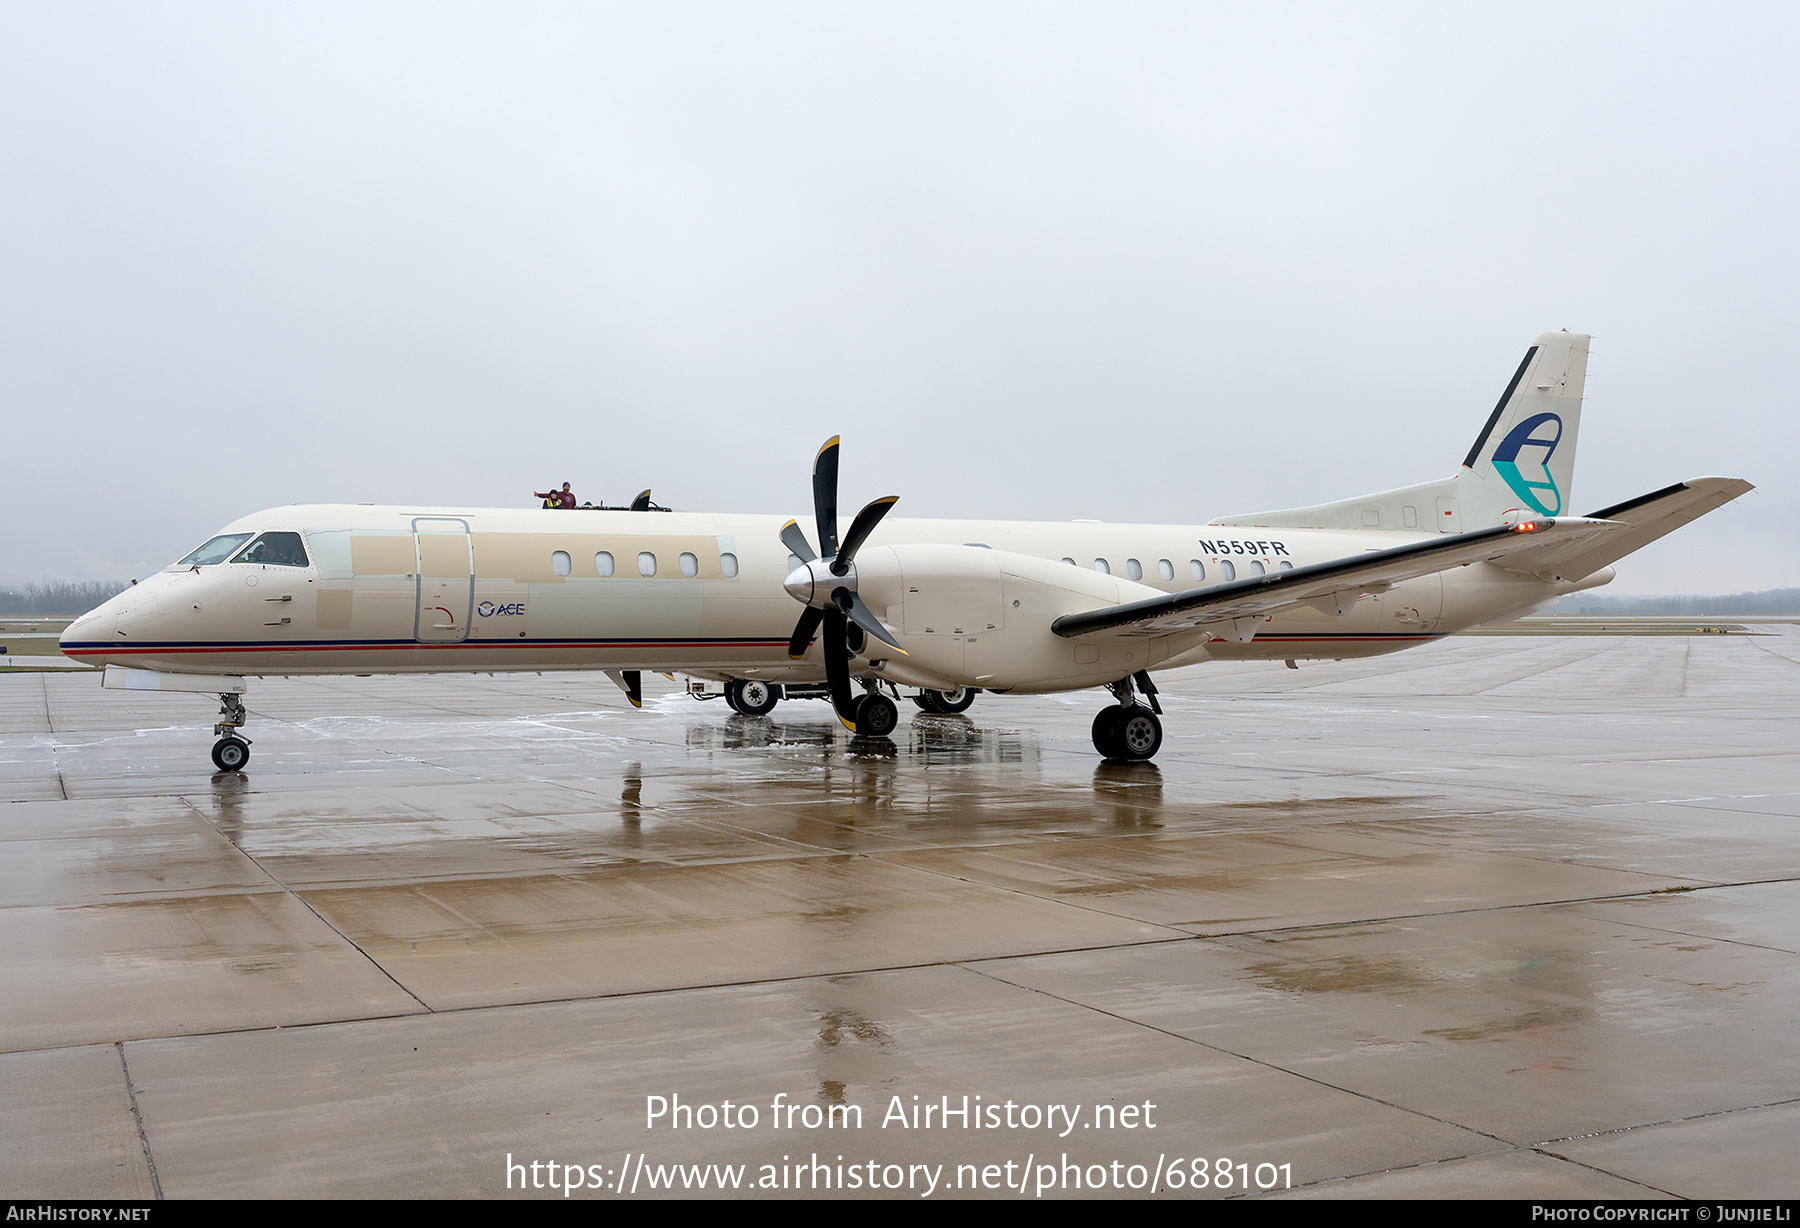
(230, 752)
(1128, 729)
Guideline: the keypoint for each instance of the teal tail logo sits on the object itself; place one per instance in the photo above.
(1540, 431)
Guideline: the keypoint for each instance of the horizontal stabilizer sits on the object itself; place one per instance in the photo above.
(1318, 583)
(1644, 519)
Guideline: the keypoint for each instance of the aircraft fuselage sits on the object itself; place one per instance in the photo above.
(438, 590)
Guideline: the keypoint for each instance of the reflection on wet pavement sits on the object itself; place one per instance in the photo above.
(631, 793)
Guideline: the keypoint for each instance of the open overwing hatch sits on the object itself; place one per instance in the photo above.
(1333, 585)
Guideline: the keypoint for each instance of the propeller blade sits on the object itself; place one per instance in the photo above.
(804, 631)
(865, 618)
(630, 681)
(825, 487)
(837, 666)
(796, 542)
(860, 528)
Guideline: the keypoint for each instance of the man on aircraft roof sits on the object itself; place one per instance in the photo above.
(564, 498)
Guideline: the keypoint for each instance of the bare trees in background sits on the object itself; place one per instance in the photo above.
(57, 596)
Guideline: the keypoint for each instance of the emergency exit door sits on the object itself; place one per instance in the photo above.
(446, 580)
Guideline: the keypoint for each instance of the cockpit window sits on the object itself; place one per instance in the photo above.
(275, 550)
(215, 551)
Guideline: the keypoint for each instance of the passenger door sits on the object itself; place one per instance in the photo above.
(446, 580)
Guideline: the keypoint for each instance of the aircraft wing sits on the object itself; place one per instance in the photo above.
(1335, 584)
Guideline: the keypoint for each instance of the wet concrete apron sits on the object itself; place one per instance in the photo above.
(1494, 917)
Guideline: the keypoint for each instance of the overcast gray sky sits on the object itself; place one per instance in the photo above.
(1134, 262)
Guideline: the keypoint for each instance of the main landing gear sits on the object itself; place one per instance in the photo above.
(230, 752)
(946, 703)
(876, 715)
(1128, 730)
(750, 697)
(754, 697)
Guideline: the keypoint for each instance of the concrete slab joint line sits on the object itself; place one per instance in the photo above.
(137, 1116)
(304, 903)
(50, 726)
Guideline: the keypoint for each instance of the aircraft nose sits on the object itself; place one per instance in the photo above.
(92, 630)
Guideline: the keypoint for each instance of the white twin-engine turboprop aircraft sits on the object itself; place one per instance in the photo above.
(934, 608)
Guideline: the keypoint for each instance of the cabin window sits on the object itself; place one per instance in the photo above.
(728, 565)
(559, 562)
(1070, 562)
(1134, 569)
(1286, 566)
(1227, 570)
(1256, 568)
(1197, 569)
(1101, 567)
(793, 563)
(216, 550)
(603, 563)
(1165, 569)
(275, 550)
(690, 566)
(646, 564)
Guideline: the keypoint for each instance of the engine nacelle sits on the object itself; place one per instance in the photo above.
(971, 616)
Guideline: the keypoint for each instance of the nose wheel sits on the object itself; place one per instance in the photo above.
(230, 752)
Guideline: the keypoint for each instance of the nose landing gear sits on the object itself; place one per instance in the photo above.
(230, 753)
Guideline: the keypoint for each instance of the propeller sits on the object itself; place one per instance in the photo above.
(825, 583)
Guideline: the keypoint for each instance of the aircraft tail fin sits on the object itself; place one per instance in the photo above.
(1524, 458)
(1522, 463)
